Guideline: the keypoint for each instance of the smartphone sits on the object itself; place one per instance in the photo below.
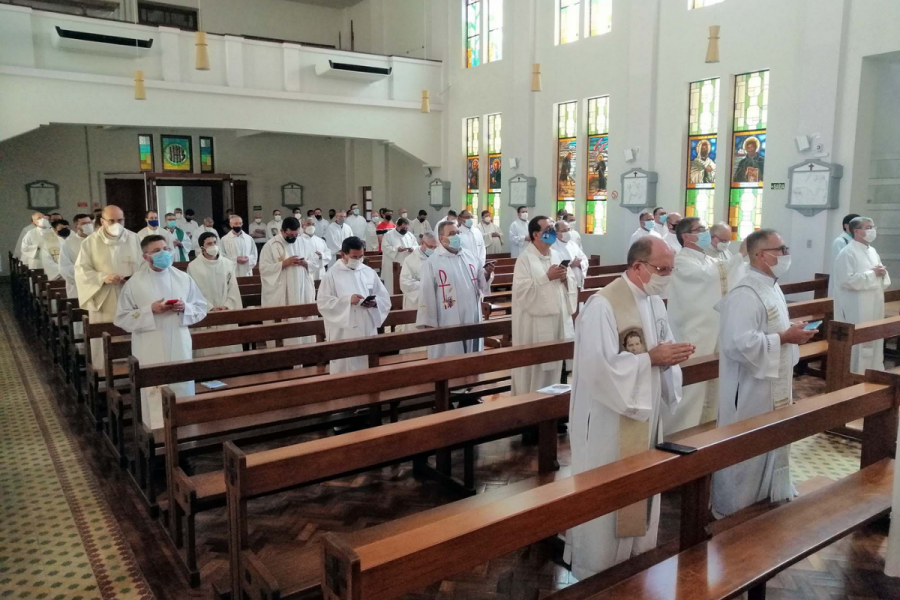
(565, 263)
(812, 325)
(675, 448)
(172, 301)
(369, 299)
(490, 262)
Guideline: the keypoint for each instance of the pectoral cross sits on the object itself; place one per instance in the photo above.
(474, 276)
(442, 276)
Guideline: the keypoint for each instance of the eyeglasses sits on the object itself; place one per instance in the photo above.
(664, 271)
(701, 230)
(785, 250)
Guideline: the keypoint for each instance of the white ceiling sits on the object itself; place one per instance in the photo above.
(331, 3)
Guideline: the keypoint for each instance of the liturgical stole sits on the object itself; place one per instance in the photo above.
(634, 435)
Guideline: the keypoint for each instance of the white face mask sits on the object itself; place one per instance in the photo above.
(523, 216)
(376, 220)
(43, 223)
(353, 263)
(657, 284)
(278, 218)
(722, 246)
(257, 221)
(403, 215)
(115, 229)
(870, 235)
(571, 224)
(487, 220)
(563, 237)
(87, 228)
(212, 251)
(310, 231)
(780, 268)
(429, 251)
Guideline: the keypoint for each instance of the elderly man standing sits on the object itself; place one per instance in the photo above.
(30, 249)
(411, 273)
(859, 283)
(697, 286)
(239, 247)
(35, 218)
(720, 242)
(471, 238)
(569, 250)
(323, 253)
(757, 354)
(106, 260)
(397, 244)
(490, 234)
(335, 234)
(453, 283)
(573, 230)
(839, 243)
(625, 375)
(544, 299)
(518, 232)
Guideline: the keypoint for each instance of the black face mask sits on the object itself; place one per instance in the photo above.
(63, 233)
(237, 229)
(421, 219)
(402, 231)
(319, 217)
(388, 217)
(290, 239)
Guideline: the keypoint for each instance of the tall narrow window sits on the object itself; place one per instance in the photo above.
(748, 153)
(145, 146)
(703, 120)
(692, 4)
(473, 136)
(495, 160)
(473, 33)
(600, 17)
(567, 143)
(495, 30)
(598, 165)
(569, 16)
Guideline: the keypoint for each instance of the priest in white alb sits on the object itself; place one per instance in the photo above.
(356, 222)
(645, 227)
(396, 245)
(518, 232)
(214, 276)
(569, 250)
(35, 218)
(68, 253)
(420, 225)
(490, 233)
(31, 243)
(625, 374)
(50, 248)
(544, 298)
(860, 279)
(757, 353)
(238, 246)
(352, 301)
(151, 218)
(697, 286)
(335, 234)
(157, 306)
(838, 244)
(453, 282)
(107, 259)
(286, 264)
(411, 278)
(323, 253)
(471, 238)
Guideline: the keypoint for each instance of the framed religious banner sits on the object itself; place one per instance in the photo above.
(522, 191)
(814, 186)
(639, 190)
(42, 195)
(177, 153)
(439, 192)
(207, 155)
(292, 195)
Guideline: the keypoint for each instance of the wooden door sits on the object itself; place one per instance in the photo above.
(240, 201)
(130, 196)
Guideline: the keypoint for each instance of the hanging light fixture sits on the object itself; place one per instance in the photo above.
(140, 92)
(536, 84)
(426, 102)
(712, 49)
(201, 62)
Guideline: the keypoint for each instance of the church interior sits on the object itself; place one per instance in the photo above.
(272, 444)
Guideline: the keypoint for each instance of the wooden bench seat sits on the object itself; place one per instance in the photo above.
(748, 555)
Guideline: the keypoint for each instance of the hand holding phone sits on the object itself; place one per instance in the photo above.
(812, 326)
(172, 301)
(565, 263)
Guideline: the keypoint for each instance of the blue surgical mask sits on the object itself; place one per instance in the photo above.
(172, 224)
(663, 219)
(429, 251)
(470, 223)
(648, 225)
(704, 239)
(455, 242)
(355, 211)
(549, 237)
(153, 223)
(162, 259)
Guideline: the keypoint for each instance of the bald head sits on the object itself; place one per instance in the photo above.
(648, 257)
(112, 219)
(722, 231)
(36, 216)
(112, 213)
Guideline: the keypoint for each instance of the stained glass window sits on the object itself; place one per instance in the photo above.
(473, 138)
(495, 30)
(567, 145)
(748, 153)
(598, 165)
(473, 33)
(207, 155)
(145, 149)
(702, 154)
(495, 160)
(569, 15)
(600, 17)
(692, 4)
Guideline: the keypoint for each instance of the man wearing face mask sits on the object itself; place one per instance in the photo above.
(570, 251)
(321, 224)
(420, 226)
(151, 217)
(451, 216)
(397, 244)
(208, 227)
(471, 240)
(68, 252)
(286, 265)
(386, 224)
(215, 278)
(757, 353)
(31, 243)
(518, 232)
(273, 226)
(672, 221)
(180, 240)
(335, 234)
(573, 230)
(839, 243)
(323, 256)
(50, 248)
(411, 273)
(720, 242)
(258, 230)
(859, 283)
(35, 219)
(331, 213)
(660, 216)
(697, 286)
(157, 306)
(356, 222)
(239, 247)
(373, 240)
(625, 374)
(545, 296)
(107, 259)
(187, 223)
(645, 227)
(453, 282)
(490, 234)
(352, 301)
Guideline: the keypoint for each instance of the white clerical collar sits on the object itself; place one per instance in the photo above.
(638, 292)
(442, 251)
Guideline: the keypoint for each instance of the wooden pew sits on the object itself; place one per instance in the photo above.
(94, 369)
(264, 473)
(281, 402)
(399, 557)
(818, 285)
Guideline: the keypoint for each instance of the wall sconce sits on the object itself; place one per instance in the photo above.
(536, 83)
(712, 49)
(201, 63)
(426, 102)
(140, 92)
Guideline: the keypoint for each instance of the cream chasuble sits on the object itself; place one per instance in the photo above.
(217, 282)
(282, 285)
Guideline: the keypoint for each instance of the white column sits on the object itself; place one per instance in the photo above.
(234, 61)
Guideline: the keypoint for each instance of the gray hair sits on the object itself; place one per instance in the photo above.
(859, 222)
(640, 251)
(723, 227)
(429, 235)
(556, 225)
(443, 226)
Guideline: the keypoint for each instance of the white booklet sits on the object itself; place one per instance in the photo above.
(556, 388)
(213, 385)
